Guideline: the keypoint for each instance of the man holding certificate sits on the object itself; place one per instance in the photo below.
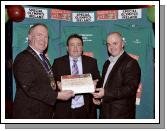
(120, 79)
(35, 85)
(76, 72)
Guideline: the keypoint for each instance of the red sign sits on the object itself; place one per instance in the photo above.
(60, 14)
(107, 15)
(90, 54)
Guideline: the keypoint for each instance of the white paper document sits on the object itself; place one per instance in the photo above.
(78, 83)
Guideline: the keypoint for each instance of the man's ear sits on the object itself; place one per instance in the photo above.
(123, 44)
(29, 38)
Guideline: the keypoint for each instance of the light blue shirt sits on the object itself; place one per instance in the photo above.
(78, 100)
(79, 64)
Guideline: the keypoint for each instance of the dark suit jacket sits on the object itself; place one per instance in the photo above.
(61, 66)
(120, 88)
(34, 95)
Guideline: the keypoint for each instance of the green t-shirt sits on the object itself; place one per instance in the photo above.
(94, 40)
(20, 39)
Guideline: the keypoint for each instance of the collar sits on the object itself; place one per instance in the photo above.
(114, 59)
(35, 51)
(71, 58)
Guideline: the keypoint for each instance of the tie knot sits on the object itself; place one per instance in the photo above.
(45, 61)
(75, 60)
(42, 56)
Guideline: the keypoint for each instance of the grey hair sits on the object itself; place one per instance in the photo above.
(35, 25)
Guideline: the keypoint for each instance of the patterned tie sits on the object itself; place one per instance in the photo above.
(45, 62)
(78, 100)
(75, 68)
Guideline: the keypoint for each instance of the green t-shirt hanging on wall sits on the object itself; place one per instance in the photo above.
(20, 39)
(94, 41)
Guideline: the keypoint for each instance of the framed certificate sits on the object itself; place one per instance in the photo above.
(78, 83)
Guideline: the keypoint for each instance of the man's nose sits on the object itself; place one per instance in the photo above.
(75, 46)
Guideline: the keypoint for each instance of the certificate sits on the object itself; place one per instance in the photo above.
(78, 83)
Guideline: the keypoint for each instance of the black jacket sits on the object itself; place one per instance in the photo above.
(120, 88)
(34, 95)
(61, 66)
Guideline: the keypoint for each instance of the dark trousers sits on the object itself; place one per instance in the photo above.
(79, 113)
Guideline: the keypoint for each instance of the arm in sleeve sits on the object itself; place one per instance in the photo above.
(130, 82)
(95, 71)
(56, 71)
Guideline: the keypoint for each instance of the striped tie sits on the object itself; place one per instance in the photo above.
(45, 62)
(75, 68)
(78, 100)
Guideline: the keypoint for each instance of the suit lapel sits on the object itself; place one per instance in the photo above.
(67, 65)
(106, 65)
(31, 51)
(115, 67)
(49, 73)
(84, 66)
(118, 63)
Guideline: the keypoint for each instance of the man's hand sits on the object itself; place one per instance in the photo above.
(65, 95)
(99, 93)
(59, 85)
(95, 82)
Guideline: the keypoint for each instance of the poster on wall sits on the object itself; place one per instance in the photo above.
(130, 14)
(107, 15)
(36, 13)
(83, 17)
(60, 14)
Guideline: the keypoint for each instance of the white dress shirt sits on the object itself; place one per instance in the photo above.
(36, 52)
